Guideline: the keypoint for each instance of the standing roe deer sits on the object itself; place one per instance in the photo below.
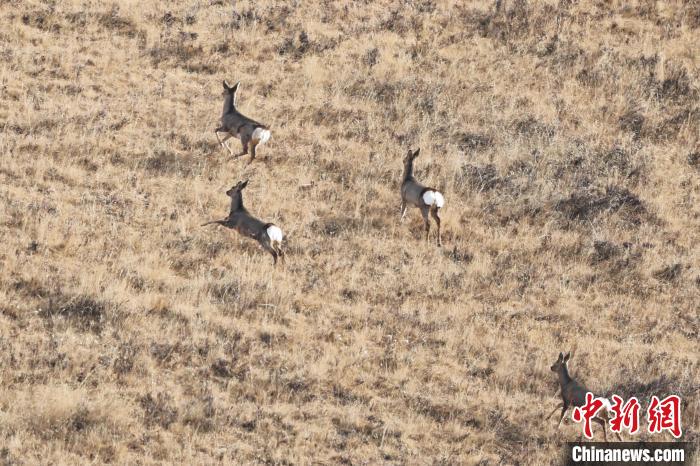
(428, 200)
(574, 394)
(267, 234)
(235, 124)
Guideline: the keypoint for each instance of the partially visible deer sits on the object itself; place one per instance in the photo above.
(235, 124)
(574, 394)
(428, 200)
(267, 234)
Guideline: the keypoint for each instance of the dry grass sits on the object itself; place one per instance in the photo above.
(563, 134)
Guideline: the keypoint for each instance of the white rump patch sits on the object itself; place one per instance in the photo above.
(433, 198)
(439, 200)
(261, 135)
(606, 404)
(275, 233)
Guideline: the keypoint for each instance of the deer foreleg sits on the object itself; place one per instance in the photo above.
(222, 142)
(563, 413)
(560, 405)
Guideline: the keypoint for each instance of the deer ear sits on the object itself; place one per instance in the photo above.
(225, 85)
(415, 154)
(234, 91)
(243, 184)
(561, 357)
(566, 358)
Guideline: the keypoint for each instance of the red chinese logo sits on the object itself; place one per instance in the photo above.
(665, 415)
(626, 415)
(587, 412)
(662, 414)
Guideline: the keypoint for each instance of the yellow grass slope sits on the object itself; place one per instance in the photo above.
(564, 136)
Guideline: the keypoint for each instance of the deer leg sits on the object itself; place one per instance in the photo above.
(560, 405)
(244, 140)
(403, 209)
(424, 212)
(272, 251)
(222, 142)
(435, 212)
(280, 253)
(604, 422)
(253, 145)
(269, 248)
(563, 413)
(605, 431)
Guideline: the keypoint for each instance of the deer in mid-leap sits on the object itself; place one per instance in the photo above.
(428, 200)
(268, 235)
(235, 124)
(573, 394)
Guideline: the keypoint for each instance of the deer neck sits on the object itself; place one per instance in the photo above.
(228, 104)
(564, 377)
(408, 171)
(236, 204)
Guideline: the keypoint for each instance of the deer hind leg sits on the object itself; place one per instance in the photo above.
(266, 244)
(617, 434)
(435, 212)
(403, 209)
(253, 145)
(280, 252)
(602, 423)
(605, 421)
(425, 212)
(245, 140)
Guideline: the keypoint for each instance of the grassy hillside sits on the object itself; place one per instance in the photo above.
(564, 135)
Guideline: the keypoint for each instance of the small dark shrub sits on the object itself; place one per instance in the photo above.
(83, 312)
(473, 141)
(222, 368)
(603, 251)
(585, 205)
(159, 410)
(481, 178)
(669, 274)
(125, 358)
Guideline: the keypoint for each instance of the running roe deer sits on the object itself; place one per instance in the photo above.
(268, 235)
(574, 394)
(235, 124)
(428, 200)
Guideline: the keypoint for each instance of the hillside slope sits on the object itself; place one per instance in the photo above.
(564, 135)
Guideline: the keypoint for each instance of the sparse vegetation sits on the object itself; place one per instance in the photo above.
(565, 139)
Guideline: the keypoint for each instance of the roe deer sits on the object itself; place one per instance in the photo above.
(574, 394)
(428, 200)
(267, 234)
(235, 124)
